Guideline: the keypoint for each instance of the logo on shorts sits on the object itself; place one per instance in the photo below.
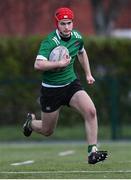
(48, 108)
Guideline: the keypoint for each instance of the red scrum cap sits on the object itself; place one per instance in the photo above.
(64, 13)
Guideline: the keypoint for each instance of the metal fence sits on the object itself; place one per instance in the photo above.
(112, 97)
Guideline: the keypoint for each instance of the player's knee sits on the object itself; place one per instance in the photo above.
(48, 132)
(92, 112)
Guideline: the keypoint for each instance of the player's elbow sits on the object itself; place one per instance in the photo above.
(37, 66)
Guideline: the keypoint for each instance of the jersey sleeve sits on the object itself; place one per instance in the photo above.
(79, 37)
(81, 49)
(45, 49)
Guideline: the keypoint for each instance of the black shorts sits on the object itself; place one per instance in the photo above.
(52, 98)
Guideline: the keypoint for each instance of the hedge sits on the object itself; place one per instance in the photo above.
(20, 83)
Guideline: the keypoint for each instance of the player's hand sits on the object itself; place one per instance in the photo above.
(90, 79)
(64, 62)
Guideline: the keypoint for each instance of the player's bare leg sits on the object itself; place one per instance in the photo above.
(45, 126)
(83, 103)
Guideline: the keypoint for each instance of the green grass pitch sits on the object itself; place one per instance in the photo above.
(63, 160)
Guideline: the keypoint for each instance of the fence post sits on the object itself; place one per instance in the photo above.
(114, 108)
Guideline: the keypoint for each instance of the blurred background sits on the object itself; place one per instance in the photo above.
(106, 28)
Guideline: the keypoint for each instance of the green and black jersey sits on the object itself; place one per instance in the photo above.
(74, 46)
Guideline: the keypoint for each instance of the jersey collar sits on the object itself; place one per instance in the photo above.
(57, 32)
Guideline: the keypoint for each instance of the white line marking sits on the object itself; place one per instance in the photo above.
(124, 162)
(22, 163)
(62, 172)
(66, 153)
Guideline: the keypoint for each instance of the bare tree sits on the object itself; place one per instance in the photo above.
(104, 19)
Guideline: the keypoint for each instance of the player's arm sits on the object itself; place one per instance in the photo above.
(84, 61)
(45, 65)
(42, 62)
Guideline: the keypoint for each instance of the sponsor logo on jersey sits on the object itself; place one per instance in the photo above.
(77, 43)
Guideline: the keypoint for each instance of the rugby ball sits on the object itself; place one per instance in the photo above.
(59, 53)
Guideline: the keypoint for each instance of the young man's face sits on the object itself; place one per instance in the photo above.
(65, 27)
